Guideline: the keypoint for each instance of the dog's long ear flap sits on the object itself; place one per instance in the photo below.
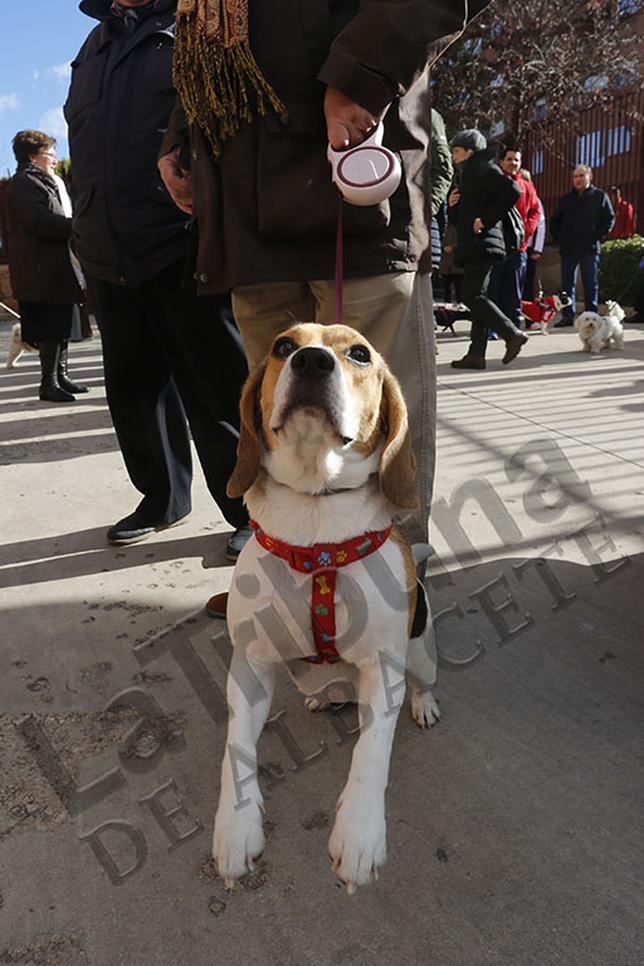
(397, 470)
(249, 447)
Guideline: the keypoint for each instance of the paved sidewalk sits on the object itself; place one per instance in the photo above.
(515, 827)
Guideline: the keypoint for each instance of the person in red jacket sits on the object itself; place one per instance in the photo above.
(508, 277)
(624, 226)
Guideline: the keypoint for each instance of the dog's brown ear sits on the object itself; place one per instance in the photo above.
(249, 447)
(397, 470)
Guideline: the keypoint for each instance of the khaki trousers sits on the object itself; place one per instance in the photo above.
(394, 312)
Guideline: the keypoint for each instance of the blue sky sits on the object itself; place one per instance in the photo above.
(39, 39)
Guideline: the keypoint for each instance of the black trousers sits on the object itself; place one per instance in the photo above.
(169, 355)
(485, 314)
(530, 283)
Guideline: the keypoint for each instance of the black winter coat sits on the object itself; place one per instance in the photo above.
(580, 221)
(488, 194)
(126, 227)
(40, 266)
(267, 212)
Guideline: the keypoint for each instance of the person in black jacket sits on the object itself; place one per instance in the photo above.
(42, 278)
(167, 353)
(485, 195)
(581, 219)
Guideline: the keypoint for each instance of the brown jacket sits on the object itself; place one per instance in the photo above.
(267, 211)
(40, 267)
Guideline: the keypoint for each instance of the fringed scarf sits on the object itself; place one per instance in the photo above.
(215, 73)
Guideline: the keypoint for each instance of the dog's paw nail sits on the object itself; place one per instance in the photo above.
(229, 883)
(351, 888)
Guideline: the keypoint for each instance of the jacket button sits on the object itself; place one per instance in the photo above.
(195, 154)
(204, 278)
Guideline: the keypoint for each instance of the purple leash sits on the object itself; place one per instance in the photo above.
(338, 267)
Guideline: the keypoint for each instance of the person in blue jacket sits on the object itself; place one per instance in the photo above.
(579, 222)
(167, 353)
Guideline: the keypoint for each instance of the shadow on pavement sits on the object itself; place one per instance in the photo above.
(515, 825)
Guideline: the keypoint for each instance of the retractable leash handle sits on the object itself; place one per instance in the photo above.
(367, 174)
(364, 175)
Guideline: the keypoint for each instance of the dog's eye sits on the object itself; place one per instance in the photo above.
(284, 347)
(359, 354)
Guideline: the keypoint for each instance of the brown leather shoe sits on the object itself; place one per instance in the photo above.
(513, 347)
(469, 362)
(216, 606)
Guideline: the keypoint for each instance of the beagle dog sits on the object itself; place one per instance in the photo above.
(328, 585)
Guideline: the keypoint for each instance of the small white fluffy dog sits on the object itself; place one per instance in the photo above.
(324, 461)
(17, 346)
(599, 332)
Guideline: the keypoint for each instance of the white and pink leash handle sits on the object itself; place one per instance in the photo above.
(365, 175)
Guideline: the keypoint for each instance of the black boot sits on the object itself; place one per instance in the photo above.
(50, 388)
(63, 379)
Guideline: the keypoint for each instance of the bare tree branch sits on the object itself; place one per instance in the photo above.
(520, 65)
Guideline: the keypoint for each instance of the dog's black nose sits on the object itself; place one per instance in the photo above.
(313, 362)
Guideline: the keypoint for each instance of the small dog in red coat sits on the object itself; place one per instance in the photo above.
(545, 311)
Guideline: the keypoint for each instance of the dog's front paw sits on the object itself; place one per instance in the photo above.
(238, 840)
(358, 842)
(424, 709)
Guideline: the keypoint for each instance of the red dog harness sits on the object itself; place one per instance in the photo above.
(322, 561)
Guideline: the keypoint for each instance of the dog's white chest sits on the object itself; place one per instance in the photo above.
(271, 606)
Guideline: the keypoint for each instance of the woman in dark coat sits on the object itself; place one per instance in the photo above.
(42, 277)
(485, 195)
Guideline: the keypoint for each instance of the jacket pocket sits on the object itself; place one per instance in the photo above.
(295, 195)
(85, 85)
